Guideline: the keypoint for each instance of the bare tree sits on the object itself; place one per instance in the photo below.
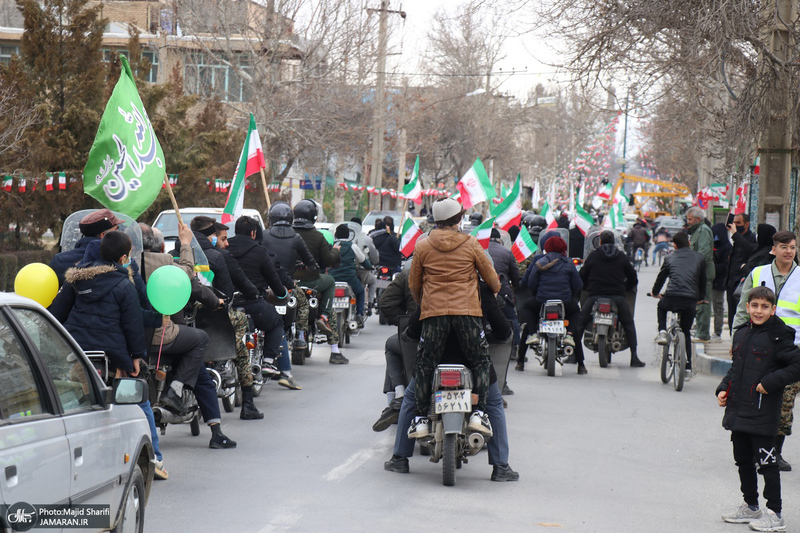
(16, 117)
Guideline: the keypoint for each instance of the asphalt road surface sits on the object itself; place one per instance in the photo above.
(613, 451)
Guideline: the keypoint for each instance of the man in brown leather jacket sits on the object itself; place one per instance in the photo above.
(443, 281)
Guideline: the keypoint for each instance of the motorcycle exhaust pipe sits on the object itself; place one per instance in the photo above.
(615, 346)
(164, 416)
(568, 350)
(475, 442)
(216, 378)
(352, 325)
(292, 303)
(313, 303)
(256, 370)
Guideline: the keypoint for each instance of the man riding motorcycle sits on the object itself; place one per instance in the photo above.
(607, 273)
(350, 256)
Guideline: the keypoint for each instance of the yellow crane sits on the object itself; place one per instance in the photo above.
(672, 190)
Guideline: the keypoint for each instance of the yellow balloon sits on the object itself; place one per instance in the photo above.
(38, 282)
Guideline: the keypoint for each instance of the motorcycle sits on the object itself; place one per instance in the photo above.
(344, 305)
(552, 333)
(221, 352)
(606, 335)
(383, 275)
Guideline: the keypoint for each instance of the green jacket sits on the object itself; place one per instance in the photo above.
(324, 254)
(702, 242)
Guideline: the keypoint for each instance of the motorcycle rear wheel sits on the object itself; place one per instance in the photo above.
(551, 357)
(602, 351)
(449, 460)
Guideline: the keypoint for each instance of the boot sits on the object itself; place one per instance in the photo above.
(635, 361)
(782, 464)
(249, 411)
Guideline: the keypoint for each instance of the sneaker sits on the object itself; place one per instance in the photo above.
(171, 400)
(387, 418)
(269, 370)
(504, 473)
(289, 383)
(323, 326)
(419, 428)
(742, 515)
(769, 521)
(507, 391)
(397, 464)
(360, 321)
(219, 441)
(479, 422)
(338, 359)
(582, 370)
(532, 339)
(300, 344)
(700, 339)
(715, 338)
(520, 367)
(688, 375)
(662, 338)
(569, 341)
(159, 472)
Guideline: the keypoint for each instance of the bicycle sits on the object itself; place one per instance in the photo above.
(638, 259)
(673, 355)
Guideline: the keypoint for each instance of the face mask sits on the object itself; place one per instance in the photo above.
(214, 240)
(740, 229)
(126, 265)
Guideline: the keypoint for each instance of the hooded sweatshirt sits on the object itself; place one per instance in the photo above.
(608, 272)
(554, 277)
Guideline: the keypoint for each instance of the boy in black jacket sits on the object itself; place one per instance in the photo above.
(765, 360)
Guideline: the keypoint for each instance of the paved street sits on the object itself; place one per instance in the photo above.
(614, 451)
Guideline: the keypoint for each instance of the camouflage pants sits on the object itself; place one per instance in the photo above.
(302, 317)
(239, 323)
(789, 394)
(471, 338)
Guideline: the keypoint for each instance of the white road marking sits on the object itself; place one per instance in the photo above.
(357, 459)
(281, 522)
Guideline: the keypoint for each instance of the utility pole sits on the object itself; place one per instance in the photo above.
(770, 191)
(625, 133)
(379, 114)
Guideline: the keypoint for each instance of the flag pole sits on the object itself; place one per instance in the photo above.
(173, 200)
(266, 191)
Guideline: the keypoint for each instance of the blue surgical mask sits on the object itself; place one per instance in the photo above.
(214, 240)
(126, 265)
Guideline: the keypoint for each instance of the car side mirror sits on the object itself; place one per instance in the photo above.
(130, 391)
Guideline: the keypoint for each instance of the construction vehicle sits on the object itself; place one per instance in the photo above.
(670, 190)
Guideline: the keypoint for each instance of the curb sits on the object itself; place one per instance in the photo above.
(709, 364)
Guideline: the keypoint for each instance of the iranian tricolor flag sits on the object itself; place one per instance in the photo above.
(583, 220)
(523, 246)
(475, 186)
(509, 212)
(548, 215)
(21, 184)
(413, 190)
(409, 236)
(739, 205)
(49, 182)
(62, 181)
(605, 192)
(484, 232)
(7, 182)
(620, 203)
(250, 162)
(757, 165)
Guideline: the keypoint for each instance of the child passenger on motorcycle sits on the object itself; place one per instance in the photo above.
(350, 256)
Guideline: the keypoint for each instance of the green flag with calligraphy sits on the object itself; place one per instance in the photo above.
(125, 168)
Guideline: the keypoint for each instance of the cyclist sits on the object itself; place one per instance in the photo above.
(686, 270)
(639, 239)
(662, 239)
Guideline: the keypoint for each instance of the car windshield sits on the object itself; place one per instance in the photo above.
(168, 222)
(369, 222)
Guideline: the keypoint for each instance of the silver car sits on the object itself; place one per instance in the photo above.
(65, 437)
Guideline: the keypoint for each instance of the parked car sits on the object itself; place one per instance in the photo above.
(167, 222)
(65, 437)
(369, 222)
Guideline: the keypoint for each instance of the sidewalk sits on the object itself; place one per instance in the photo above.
(713, 357)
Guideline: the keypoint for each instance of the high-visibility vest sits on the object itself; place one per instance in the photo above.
(788, 299)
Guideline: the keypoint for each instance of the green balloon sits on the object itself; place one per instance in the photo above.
(328, 235)
(168, 289)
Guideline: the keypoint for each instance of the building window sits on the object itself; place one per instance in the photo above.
(207, 76)
(150, 55)
(6, 51)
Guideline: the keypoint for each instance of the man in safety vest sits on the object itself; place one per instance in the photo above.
(783, 277)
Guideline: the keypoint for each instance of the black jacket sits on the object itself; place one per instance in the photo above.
(763, 354)
(686, 270)
(396, 299)
(256, 264)
(761, 256)
(228, 276)
(505, 264)
(100, 308)
(324, 255)
(722, 253)
(388, 248)
(63, 261)
(744, 244)
(289, 248)
(608, 272)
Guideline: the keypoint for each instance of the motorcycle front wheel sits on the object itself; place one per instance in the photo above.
(602, 350)
(449, 460)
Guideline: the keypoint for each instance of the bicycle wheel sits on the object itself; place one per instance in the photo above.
(680, 360)
(667, 364)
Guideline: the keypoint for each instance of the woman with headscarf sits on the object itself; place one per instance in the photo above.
(763, 254)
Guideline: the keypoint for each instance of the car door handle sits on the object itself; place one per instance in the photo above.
(78, 456)
(11, 475)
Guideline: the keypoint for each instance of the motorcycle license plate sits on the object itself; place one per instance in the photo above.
(604, 320)
(382, 283)
(452, 401)
(341, 303)
(551, 326)
(281, 309)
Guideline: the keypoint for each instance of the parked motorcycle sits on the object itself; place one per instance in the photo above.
(552, 331)
(344, 305)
